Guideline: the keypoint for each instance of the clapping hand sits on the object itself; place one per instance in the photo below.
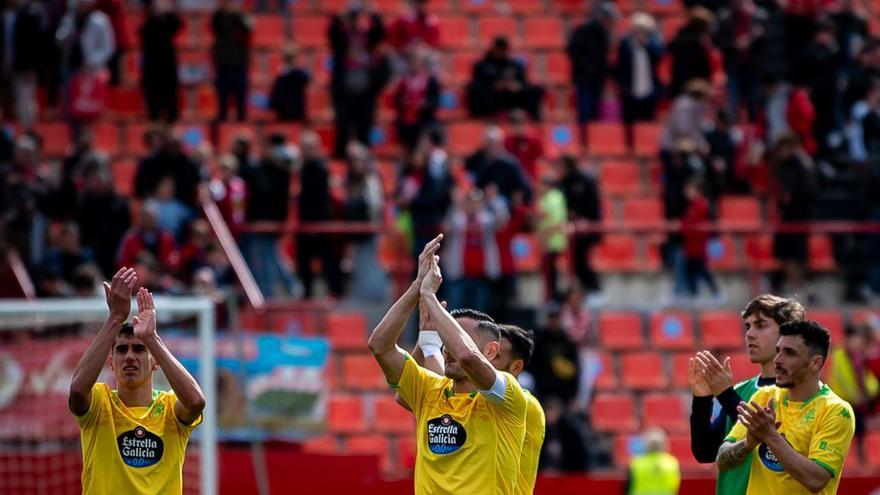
(759, 421)
(118, 292)
(718, 377)
(145, 321)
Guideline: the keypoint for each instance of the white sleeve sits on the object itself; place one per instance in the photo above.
(498, 390)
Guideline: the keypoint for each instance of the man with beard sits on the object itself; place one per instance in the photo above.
(798, 432)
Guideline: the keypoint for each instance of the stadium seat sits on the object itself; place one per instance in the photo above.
(872, 449)
(821, 253)
(362, 372)
(321, 445)
(346, 331)
(526, 253)
(106, 137)
(663, 8)
(405, 448)
(647, 139)
(606, 139)
(606, 375)
(739, 212)
(125, 103)
(345, 414)
(390, 417)
(479, 7)
(490, 27)
(620, 331)
(561, 138)
(865, 316)
(461, 65)
(616, 253)
(665, 411)
(642, 212)
(742, 366)
(832, 320)
(721, 330)
(625, 447)
(123, 176)
(55, 136)
(310, 31)
(557, 68)
(613, 413)
(680, 447)
(526, 7)
(465, 137)
(371, 444)
(722, 254)
(672, 330)
(569, 6)
(228, 131)
(680, 369)
(544, 33)
(643, 371)
(759, 252)
(455, 32)
(620, 178)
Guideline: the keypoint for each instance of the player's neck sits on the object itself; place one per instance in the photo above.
(136, 397)
(768, 369)
(803, 391)
(463, 386)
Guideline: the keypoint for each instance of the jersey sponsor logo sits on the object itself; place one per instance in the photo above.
(140, 448)
(768, 458)
(445, 435)
(809, 417)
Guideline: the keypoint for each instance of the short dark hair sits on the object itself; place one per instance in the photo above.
(816, 337)
(522, 341)
(780, 309)
(126, 329)
(485, 323)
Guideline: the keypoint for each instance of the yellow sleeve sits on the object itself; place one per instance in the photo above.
(515, 402)
(170, 400)
(100, 394)
(414, 382)
(833, 436)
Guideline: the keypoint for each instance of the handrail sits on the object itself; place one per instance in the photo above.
(21, 274)
(230, 247)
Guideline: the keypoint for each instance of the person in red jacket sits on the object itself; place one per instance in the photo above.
(524, 143)
(695, 240)
(148, 237)
(415, 26)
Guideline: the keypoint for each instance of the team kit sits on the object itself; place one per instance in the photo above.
(478, 430)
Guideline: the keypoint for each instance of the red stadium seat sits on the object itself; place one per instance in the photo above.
(526, 7)
(455, 32)
(740, 212)
(462, 65)
(614, 413)
(642, 211)
(665, 411)
(615, 253)
(606, 139)
(672, 330)
(269, 31)
(561, 138)
(55, 136)
(759, 252)
(391, 417)
(345, 414)
(680, 369)
(125, 103)
(229, 131)
(620, 331)
(569, 6)
(606, 376)
(872, 449)
(544, 33)
(526, 253)
(742, 366)
(310, 31)
(721, 330)
(680, 447)
(362, 372)
(106, 137)
(832, 320)
(643, 371)
(123, 176)
(320, 445)
(620, 178)
(490, 27)
(821, 253)
(558, 68)
(647, 139)
(465, 137)
(347, 331)
(371, 444)
(723, 255)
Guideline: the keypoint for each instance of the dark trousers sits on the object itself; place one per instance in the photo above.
(162, 103)
(580, 250)
(588, 98)
(636, 110)
(231, 83)
(695, 269)
(115, 66)
(310, 246)
(485, 102)
(355, 115)
(551, 276)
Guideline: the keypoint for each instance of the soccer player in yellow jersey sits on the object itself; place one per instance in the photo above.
(133, 438)
(471, 423)
(797, 432)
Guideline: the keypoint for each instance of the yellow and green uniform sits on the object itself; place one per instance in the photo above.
(531, 451)
(132, 450)
(820, 428)
(466, 443)
(736, 481)
(654, 473)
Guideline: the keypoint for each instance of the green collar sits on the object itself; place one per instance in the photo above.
(155, 396)
(823, 390)
(450, 391)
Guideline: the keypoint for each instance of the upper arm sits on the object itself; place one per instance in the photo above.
(392, 363)
(86, 414)
(79, 404)
(479, 370)
(188, 417)
(831, 442)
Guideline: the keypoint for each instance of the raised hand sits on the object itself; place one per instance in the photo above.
(759, 421)
(145, 321)
(719, 377)
(696, 379)
(118, 292)
(433, 279)
(427, 255)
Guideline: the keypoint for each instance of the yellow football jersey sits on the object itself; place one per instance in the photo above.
(531, 451)
(466, 443)
(820, 429)
(132, 450)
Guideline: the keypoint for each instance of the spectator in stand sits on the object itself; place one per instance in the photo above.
(722, 139)
(741, 36)
(268, 200)
(862, 74)
(796, 181)
(193, 254)
(85, 36)
(499, 84)
(823, 85)
(588, 49)
(416, 98)
(691, 51)
(73, 168)
(566, 439)
(230, 192)
(801, 20)
(115, 11)
(851, 27)
(168, 159)
(504, 290)
(415, 27)
(525, 144)
(695, 241)
(159, 61)
(360, 71)
(21, 58)
(471, 257)
(551, 221)
(154, 277)
(22, 200)
(851, 379)
(231, 51)
(555, 364)
(491, 164)
(787, 109)
(288, 96)
(64, 259)
(149, 237)
(638, 56)
(102, 215)
(863, 128)
(364, 202)
(315, 206)
(581, 190)
(172, 215)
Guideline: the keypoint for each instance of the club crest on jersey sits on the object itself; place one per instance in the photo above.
(445, 435)
(768, 458)
(140, 448)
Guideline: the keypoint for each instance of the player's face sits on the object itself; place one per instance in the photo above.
(762, 334)
(453, 369)
(131, 361)
(793, 361)
(505, 361)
